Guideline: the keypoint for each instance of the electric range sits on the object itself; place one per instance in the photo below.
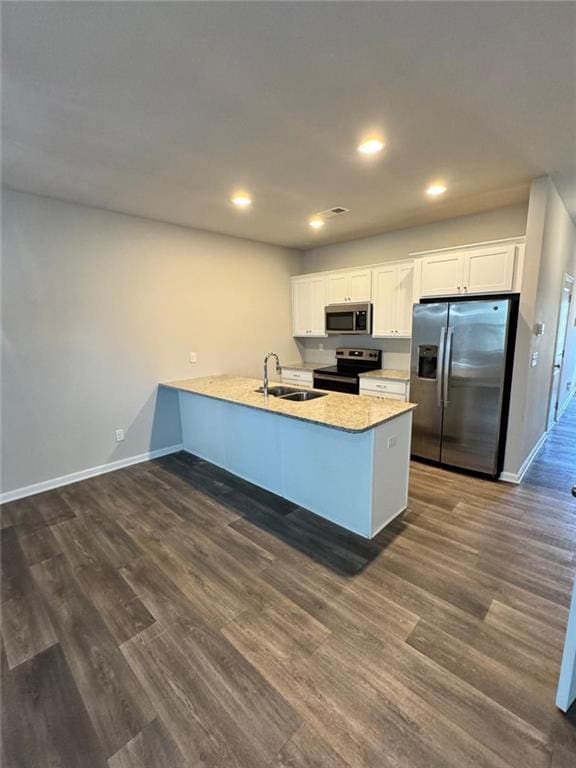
(345, 375)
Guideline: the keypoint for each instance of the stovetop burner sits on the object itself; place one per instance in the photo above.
(352, 360)
(350, 363)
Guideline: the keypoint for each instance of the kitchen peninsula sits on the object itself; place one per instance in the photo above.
(344, 457)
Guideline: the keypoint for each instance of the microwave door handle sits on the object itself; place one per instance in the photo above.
(440, 367)
(447, 366)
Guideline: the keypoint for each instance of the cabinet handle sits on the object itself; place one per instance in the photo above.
(459, 288)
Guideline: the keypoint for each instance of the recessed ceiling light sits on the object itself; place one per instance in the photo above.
(241, 200)
(435, 190)
(316, 222)
(371, 146)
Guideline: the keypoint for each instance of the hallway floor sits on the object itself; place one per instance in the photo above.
(555, 464)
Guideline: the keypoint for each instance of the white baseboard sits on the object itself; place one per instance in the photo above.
(516, 477)
(84, 474)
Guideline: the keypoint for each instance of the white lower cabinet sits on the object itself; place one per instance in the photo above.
(294, 376)
(392, 389)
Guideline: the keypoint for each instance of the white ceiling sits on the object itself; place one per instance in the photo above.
(162, 109)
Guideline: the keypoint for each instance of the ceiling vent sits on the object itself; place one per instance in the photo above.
(331, 212)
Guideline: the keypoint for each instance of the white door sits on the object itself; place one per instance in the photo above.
(441, 274)
(404, 299)
(359, 285)
(566, 693)
(318, 306)
(568, 372)
(384, 284)
(489, 269)
(337, 288)
(301, 307)
(561, 333)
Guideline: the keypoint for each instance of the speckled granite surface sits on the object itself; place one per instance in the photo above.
(387, 373)
(349, 413)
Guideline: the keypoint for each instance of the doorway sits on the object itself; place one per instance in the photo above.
(564, 354)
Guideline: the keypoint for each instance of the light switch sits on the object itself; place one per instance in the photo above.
(193, 357)
(539, 329)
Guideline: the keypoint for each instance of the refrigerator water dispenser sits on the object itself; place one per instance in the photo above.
(427, 361)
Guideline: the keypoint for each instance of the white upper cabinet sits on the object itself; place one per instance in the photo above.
(350, 286)
(441, 274)
(360, 285)
(318, 306)
(337, 288)
(392, 292)
(404, 299)
(478, 269)
(308, 302)
(489, 269)
(393, 287)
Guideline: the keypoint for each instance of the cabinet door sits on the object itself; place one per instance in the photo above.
(301, 307)
(489, 269)
(337, 288)
(318, 306)
(442, 274)
(384, 284)
(359, 285)
(404, 299)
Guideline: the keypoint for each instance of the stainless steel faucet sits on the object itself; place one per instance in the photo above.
(278, 370)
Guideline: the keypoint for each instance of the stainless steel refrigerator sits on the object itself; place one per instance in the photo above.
(461, 367)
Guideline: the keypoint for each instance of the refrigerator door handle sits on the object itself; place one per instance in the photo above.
(440, 367)
(447, 367)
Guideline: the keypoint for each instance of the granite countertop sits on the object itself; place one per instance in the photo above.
(301, 366)
(387, 373)
(349, 413)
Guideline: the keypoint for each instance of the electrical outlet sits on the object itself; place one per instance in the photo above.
(193, 357)
(392, 441)
(119, 435)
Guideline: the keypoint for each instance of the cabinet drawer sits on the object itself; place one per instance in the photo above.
(297, 377)
(383, 395)
(381, 386)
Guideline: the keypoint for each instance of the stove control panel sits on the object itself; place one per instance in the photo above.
(354, 353)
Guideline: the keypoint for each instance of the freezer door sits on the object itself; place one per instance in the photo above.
(429, 325)
(475, 363)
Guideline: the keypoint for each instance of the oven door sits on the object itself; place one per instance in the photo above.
(347, 384)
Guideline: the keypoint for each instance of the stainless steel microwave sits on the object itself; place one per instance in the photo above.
(342, 319)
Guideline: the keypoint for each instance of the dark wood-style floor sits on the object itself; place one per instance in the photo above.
(170, 616)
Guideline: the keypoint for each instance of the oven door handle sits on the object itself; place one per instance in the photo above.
(327, 377)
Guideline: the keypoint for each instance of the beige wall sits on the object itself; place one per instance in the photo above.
(99, 307)
(490, 225)
(550, 252)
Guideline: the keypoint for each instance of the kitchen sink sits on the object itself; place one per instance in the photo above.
(300, 397)
(278, 391)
